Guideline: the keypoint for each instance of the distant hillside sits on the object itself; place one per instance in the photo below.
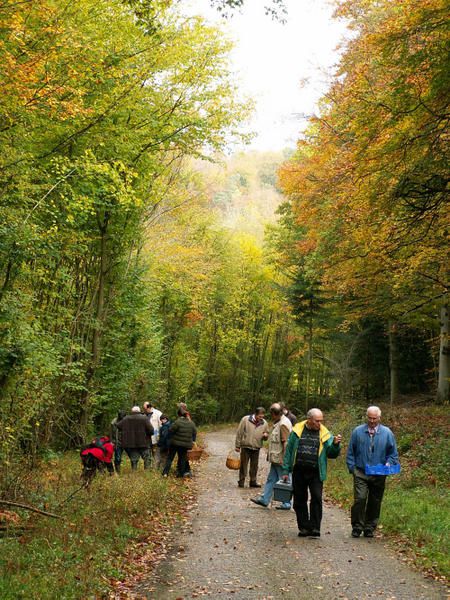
(243, 189)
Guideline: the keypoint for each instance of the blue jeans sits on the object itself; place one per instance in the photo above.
(275, 474)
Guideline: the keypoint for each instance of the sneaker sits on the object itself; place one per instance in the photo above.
(356, 533)
(258, 501)
(303, 532)
(368, 533)
(254, 484)
(314, 533)
(283, 507)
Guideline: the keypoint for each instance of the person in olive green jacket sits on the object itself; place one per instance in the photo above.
(309, 446)
(182, 436)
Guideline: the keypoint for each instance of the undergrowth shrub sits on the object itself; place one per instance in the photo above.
(75, 556)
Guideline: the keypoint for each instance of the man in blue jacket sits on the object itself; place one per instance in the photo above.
(370, 444)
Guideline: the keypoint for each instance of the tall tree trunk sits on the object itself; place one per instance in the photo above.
(444, 358)
(97, 328)
(393, 361)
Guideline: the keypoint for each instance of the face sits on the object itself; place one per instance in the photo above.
(259, 417)
(315, 421)
(373, 418)
(147, 408)
(275, 418)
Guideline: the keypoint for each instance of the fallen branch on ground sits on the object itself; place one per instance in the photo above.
(32, 508)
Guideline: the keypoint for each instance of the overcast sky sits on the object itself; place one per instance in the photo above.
(285, 68)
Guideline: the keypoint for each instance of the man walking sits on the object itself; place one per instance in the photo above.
(252, 430)
(277, 446)
(309, 446)
(136, 439)
(370, 444)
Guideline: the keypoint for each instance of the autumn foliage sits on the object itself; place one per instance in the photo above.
(369, 182)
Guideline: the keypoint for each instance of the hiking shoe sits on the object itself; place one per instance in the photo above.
(356, 533)
(303, 532)
(368, 533)
(254, 484)
(314, 533)
(258, 501)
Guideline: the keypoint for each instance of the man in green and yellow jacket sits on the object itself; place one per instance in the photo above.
(309, 446)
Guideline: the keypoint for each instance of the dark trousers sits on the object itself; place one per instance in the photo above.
(135, 454)
(304, 479)
(163, 455)
(368, 493)
(182, 460)
(248, 455)
(118, 451)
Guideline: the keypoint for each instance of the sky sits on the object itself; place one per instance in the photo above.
(284, 67)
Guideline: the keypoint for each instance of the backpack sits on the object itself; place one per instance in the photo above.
(96, 443)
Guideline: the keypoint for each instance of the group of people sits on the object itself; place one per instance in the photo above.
(145, 434)
(298, 452)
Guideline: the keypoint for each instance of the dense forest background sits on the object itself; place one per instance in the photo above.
(139, 262)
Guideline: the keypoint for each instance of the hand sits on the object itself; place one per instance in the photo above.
(237, 449)
(265, 436)
(337, 439)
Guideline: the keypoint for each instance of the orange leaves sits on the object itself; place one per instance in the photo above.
(43, 62)
(359, 183)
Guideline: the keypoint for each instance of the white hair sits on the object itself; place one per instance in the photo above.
(314, 412)
(136, 409)
(376, 409)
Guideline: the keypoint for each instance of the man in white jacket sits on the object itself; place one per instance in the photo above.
(154, 416)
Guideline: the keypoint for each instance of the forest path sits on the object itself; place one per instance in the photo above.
(234, 549)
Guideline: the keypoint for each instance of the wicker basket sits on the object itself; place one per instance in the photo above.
(233, 463)
(195, 453)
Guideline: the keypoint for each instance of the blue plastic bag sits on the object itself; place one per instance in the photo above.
(382, 469)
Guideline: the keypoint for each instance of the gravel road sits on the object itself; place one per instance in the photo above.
(235, 549)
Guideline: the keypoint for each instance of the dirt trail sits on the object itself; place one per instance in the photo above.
(235, 549)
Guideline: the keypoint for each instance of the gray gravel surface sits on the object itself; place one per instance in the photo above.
(234, 549)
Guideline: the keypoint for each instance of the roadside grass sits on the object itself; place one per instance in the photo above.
(416, 505)
(76, 557)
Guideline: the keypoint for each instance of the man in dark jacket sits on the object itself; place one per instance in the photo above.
(182, 435)
(136, 432)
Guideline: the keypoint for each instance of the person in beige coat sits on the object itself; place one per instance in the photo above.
(279, 435)
(252, 431)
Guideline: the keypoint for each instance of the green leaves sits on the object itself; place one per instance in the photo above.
(102, 101)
